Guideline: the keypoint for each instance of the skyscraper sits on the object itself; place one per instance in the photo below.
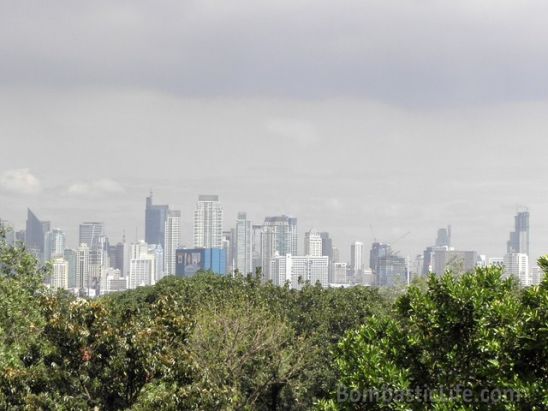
(519, 238)
(54, 244)
(35, 234)
(313, 244)
(279, 236)
(155, 222)
(208, 222)
(444, 237)
(517, 265)
(357, 257)
(172, 240)
(82, 269)
(60, 273)
(243, 246)
(142, 265)
(298, 270)
(91, 234)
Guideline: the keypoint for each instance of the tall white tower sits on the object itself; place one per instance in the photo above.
(313, 244)
(172, 240)
(243, 248)
(208, 222)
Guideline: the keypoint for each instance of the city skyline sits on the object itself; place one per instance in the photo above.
(302, 238)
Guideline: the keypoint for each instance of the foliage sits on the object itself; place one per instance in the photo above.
(477, 332)
(236, 343)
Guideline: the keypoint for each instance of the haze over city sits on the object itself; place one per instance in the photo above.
(366, 121)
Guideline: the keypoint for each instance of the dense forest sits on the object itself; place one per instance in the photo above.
(223, 343)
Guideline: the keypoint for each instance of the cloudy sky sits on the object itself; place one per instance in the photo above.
(367, 119)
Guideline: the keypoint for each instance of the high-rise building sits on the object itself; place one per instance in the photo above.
(279, 236)
(142, 266)
(113, 281)
(243, 245)
(116, 255)
(519, 238)
(298, 270)
(35, 234)
(208, 222)
(155, 222)
(257, 246)
(313, 244)
(82, 269)
(71, 257)
(158, 252)
(457, 262)
(54, 244)
(92, 234)
(357, 257)
(388, 269)
(444, 237)
(60, 273)
(517, 265)
(172, 240)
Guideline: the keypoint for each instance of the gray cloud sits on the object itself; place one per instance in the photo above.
(403, 52)
(403, 115)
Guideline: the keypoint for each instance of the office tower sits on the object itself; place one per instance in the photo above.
(116, 254)
(71, 257)
(172, 240)
(313, 244)
(82, 269)
(339, 273)
(256, 246)
(155, 222)
(444, 237)
(208, 222)
(158, 252)
(35, 234)
(243, 253)
(54, 244)
(327, 245)
(60, 273)
(228, 245)
(388, 269)
(192, 260)
(357, 257)
(457, 262)
(279, 237)
(142, 266)
(92, 234)
(391, 271)
(378, 250)
(519, 238)
(298, 270)
(517, 266)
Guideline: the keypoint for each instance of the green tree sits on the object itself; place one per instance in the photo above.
(476, 332)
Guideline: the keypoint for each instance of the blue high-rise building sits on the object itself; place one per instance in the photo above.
(191, 260)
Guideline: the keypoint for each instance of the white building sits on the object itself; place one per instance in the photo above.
(142, 266)
(313, 244)
(537, 275)
(278, 237)
(60, 272)
(82, 267)
(243, 259)
(357, 257)
(297, 270)
(172, 240)
(208, 222)
(517, 265)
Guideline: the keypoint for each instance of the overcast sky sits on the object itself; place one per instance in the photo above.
(362, 118)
